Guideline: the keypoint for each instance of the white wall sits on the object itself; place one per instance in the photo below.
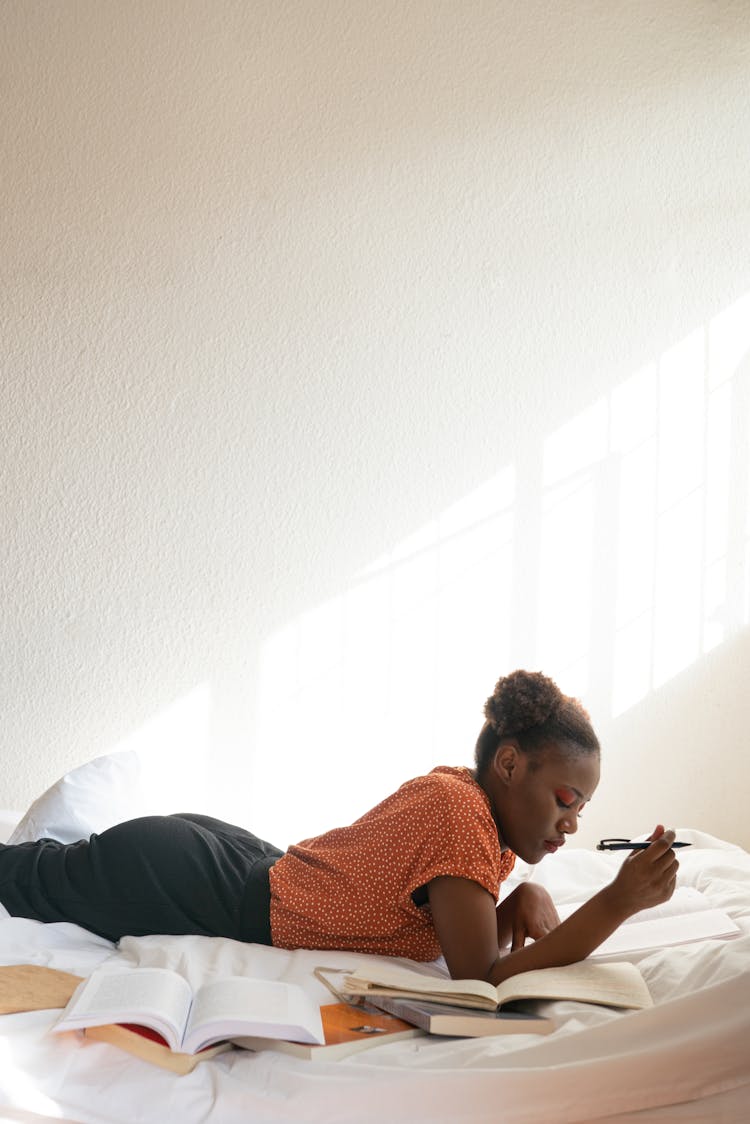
(354, 354)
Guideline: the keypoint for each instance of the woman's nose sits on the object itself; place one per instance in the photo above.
(568, 825)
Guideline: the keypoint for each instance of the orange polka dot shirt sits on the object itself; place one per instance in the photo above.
(351, 888)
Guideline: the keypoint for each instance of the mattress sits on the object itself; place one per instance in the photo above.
(687, 1058)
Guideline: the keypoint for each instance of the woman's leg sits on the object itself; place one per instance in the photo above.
(155, 874)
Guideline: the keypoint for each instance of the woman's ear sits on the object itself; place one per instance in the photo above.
(506, 760)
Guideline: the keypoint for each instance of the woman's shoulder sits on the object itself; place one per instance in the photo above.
(456, 772)
(445, 782)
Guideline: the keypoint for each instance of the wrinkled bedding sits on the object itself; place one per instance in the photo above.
(687, 1058)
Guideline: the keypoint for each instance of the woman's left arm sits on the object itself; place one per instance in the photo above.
(527, 912)
(472, 930)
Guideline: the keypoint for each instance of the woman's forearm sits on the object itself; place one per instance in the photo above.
(646, 878)
(574, 939)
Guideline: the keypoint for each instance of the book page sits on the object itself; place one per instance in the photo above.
(615, 985)
(664, 932)
(240, 1006)
(154, 997)
(685, 899)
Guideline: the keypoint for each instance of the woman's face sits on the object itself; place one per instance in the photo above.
(537, 798)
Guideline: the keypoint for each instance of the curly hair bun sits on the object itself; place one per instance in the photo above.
(521, 700)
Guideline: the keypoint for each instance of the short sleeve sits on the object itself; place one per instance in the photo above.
(457, 836)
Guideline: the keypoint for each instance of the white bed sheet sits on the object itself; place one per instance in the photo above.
(686, 1059)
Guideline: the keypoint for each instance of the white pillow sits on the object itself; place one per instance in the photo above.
(8, 823)
(85, 801)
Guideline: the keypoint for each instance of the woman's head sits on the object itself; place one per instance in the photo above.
(531, 710)
(537, 759)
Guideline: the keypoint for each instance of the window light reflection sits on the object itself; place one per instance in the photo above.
(613, 556)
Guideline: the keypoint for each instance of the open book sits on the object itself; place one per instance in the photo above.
(686, 917)
(222, 1009)
(613, 985)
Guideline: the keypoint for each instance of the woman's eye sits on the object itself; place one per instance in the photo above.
(565, 797)
(567, 800)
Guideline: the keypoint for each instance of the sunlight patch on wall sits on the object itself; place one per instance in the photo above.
(389, 669)
(613, 557)
(698, 544)
(648, 490)
(568, 553)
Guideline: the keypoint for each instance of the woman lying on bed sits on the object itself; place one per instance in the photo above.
(417, 876)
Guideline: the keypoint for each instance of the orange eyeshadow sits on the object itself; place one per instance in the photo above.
(566, 795)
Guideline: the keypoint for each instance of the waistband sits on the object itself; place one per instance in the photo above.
(255, 917)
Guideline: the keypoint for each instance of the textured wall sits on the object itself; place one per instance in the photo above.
(282, 284)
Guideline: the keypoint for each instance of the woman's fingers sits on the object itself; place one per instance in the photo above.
(660, 849)
(651, 874)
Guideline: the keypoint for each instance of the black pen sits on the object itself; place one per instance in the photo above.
(626, 845)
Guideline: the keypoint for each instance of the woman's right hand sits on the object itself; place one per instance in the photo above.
(646, 878)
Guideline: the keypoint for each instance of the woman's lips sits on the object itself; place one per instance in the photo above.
(552, 845)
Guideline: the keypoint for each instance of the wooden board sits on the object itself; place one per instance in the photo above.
(33, 987)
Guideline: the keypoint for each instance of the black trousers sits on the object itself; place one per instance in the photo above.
(156, 874)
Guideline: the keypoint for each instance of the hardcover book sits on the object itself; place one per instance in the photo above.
(464, 1022)
(347, 1030)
